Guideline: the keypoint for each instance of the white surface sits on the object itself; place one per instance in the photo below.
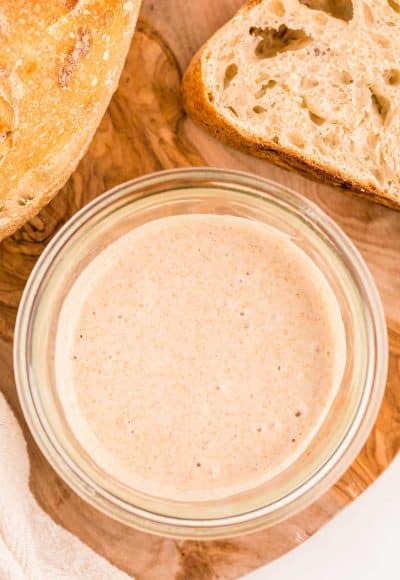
(360, 543)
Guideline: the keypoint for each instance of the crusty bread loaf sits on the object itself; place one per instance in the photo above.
(310, 84)
(60, 61)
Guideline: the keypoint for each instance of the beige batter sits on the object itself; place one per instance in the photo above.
(198, 355)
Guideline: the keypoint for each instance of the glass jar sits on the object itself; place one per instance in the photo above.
(211, 191)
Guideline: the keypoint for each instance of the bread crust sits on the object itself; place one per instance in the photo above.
(56, 79)
(197, 104)
(44, 197)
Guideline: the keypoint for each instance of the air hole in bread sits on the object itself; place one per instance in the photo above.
(262, 77)
(233, 111)
(382, 40)
(70, 4)
(380, 104)
(275, 41)
(394, 5)
(368, 14)
(259, 110)
(297, 140)
(308, 83)
(346, 78)
(231, 55)
(392, 77)
(316, 119)
(331, 140)
(276, 7)
(342, 9)
(264, 88)
(230, 73)
(6, 140)
(372, 142)
(378, 175)
(320, 19)
(210, 97)
(26, 200)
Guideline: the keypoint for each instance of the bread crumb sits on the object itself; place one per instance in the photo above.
(319, 116)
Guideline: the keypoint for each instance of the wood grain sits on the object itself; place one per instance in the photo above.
(145, 130)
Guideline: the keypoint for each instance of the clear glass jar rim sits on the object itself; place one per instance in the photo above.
(203, 177)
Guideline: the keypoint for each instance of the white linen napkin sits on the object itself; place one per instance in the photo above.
(32, 546)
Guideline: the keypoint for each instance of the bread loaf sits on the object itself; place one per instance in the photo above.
(309, 84)
(60, 62)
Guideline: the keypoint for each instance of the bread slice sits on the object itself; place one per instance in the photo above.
(60, 62)
(309, 84)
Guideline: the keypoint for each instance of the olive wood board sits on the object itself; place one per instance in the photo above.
(145, 130)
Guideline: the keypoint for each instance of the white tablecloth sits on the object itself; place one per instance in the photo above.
(32, 546)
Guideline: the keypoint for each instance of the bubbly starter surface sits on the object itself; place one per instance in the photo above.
(197, 356)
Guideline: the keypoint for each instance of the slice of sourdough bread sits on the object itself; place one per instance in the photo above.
(309, 84)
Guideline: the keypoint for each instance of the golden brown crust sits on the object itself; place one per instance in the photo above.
(60, 68)
(198, 104)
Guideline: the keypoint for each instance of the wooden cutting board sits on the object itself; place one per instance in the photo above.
(145, 130)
